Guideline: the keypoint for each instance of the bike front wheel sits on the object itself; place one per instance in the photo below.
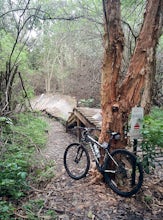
(123, 173)
(76, 161)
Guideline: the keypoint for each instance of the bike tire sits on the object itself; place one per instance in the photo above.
(128, 176)
(76, 161)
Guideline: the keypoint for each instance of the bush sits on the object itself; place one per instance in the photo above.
(35, 210)
(19, 142)
(20, 138)
(6, 210)
(86, 102)
(152, 136)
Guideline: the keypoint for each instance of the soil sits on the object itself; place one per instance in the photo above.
(80, 200)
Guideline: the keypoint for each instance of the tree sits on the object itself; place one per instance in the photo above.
(117, 98)
(72, 49)
(18, 29)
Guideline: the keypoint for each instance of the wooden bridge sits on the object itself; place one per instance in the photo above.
(82, 116)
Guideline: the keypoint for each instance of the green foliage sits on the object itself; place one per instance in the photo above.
(13, 178)
(5, 120)
(148, 199)
(29, 130)
(86, 102)
(6, 210)
(152, 137)
(42, 171)
(34, 209)
(25, 134)
(6, 44)
(65, 47)
(161, 42)
(153, 127)
(22, 137)
(5, 124)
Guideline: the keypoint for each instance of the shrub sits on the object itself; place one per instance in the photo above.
(86, 102)
(152, 137)
(34, 209)
(6, 210)
(20, 138)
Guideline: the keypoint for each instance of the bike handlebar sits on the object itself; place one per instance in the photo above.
(116, 135)
(86, 128)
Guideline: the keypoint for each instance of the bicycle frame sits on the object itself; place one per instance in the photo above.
(91, 141)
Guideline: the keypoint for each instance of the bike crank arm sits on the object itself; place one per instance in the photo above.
(110, 171)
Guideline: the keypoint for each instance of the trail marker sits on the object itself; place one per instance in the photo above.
(137, 115)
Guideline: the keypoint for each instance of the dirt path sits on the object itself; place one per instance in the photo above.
(77, 200)
(58, 139)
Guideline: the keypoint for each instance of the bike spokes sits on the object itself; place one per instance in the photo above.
(76, 161)
(126, 178)
(79, 154)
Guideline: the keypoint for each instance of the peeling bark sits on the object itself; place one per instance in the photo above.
(136, 89)
(114, 42)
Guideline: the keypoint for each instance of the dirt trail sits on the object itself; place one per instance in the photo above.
(77, 200)
(58, 139)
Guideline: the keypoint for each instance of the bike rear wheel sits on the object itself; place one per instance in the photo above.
(76, 161)
(123, 174)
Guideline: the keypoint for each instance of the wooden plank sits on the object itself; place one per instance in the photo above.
(82, 118)
(89, 113)
(86, 116)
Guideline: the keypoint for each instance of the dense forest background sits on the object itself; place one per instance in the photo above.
(57, 46)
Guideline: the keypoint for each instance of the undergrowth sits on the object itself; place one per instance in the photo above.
(21, 139)
(152, 137)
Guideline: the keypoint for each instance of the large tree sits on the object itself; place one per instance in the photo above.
(118, 97)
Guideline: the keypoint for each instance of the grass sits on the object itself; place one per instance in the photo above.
(22, 137)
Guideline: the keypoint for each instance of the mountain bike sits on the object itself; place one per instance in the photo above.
(121, 170)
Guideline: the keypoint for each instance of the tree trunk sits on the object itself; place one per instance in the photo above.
(136, 89)
(113, 45)
(137, 86)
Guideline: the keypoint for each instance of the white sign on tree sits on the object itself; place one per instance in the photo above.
(137, 115)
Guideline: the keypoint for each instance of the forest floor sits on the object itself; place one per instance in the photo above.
(79, 200)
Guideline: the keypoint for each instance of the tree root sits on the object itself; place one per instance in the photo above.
(96, 177)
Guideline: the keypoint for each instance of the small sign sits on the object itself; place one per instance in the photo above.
(137, 126)
(137, 115)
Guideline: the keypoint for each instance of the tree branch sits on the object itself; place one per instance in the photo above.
(135, 37)
(47, 16)
(25, 92)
